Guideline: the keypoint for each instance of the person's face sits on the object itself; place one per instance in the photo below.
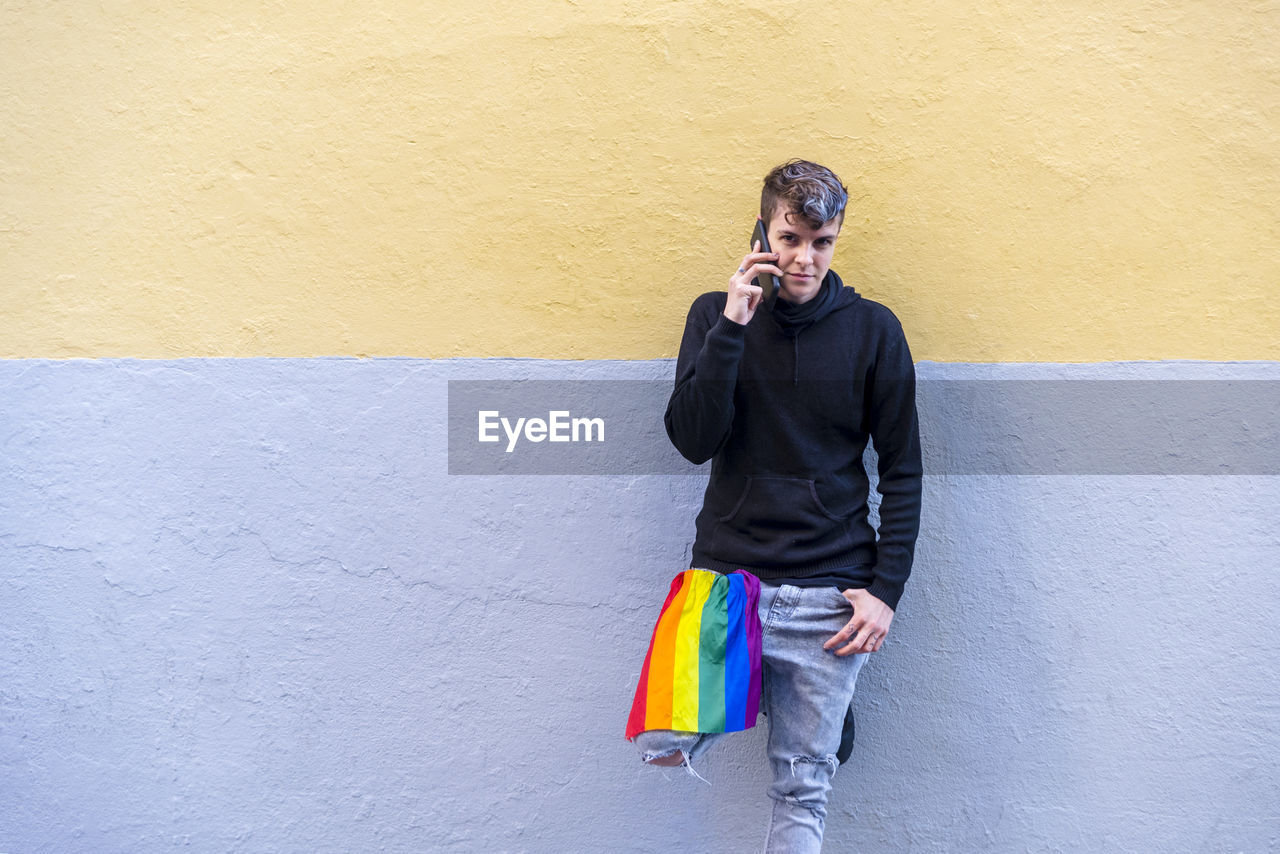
(804, 253)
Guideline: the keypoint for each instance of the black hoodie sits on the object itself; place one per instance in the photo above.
(783, 407)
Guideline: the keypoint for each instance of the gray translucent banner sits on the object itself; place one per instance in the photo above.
(983, 427)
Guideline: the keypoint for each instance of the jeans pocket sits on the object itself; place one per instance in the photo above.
(842, 600)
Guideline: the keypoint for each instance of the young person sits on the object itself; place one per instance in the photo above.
(782, 402)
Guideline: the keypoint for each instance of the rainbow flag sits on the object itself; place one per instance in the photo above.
(702, 671)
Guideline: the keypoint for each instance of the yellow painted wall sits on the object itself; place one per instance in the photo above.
(1073, 181)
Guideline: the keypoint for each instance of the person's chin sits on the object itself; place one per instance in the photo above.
(800, 290)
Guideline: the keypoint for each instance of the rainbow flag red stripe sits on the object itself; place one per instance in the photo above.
(702, 671)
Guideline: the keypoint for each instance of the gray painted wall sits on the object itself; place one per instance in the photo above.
(244, 607)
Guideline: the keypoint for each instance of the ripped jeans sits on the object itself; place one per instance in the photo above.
(805, 693)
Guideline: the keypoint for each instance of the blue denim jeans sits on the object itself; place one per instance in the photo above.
(805, 692)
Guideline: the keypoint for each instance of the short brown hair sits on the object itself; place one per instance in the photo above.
(808, 189)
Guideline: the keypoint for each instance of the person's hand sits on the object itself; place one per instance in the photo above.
(866, 629)
(744, 293)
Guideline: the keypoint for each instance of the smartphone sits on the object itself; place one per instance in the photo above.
(769, 283)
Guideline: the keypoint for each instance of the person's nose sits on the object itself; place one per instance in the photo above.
(805, 254)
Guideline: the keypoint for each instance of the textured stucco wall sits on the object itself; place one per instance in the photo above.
(1077, 181)
(246, 608)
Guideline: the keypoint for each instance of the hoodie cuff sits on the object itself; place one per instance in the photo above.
(886, 591)
(731, 328)
(722, 350)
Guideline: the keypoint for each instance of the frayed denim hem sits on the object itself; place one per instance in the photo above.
(656, 744)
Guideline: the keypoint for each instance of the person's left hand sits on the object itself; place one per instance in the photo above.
(866, 629)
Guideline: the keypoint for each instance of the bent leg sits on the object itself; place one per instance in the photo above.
(671, 748)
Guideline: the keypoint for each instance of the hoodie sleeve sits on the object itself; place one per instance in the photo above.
(895, 431)
(700, 411)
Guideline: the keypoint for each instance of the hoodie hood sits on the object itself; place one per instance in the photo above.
(793, 319)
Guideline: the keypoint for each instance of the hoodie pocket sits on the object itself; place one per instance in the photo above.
(779, 520)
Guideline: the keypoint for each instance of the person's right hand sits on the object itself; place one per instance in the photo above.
(744, 293)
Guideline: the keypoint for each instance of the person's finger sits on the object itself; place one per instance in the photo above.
(756, 257)
(853, 648)
(757, 269)
(843, 636)
(849, 649)
(876, 639)
(867, 639)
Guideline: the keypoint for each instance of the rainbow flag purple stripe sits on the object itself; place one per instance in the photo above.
(702, 671)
